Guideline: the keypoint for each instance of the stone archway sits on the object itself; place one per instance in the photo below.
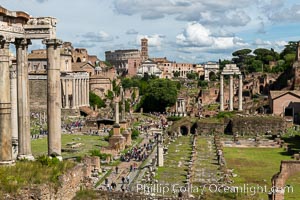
(184, 130)
(212, 76)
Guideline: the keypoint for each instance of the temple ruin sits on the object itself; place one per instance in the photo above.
(19, 28)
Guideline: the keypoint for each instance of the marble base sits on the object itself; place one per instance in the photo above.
(25, 157)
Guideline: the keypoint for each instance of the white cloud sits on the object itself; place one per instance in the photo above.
(198, 36)
(153, 40)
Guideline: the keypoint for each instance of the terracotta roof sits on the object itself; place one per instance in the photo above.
(38, 54)
(274, 94)
(77, 67)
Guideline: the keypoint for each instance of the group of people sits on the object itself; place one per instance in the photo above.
(137, 153)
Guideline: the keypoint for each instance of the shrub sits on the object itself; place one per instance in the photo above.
(135, 134)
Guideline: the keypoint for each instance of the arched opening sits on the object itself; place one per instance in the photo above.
(212, 76)
(184, 130)
(78, 60)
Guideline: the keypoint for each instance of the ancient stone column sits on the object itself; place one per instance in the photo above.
(88, 92)
(230, 92)
(80, 92)
(84, 92)
(73, 94)
(23, 100)
(14, 112)
(221, 93)
(54, 97)
(67, 94)
(76, 93)
(5, 106)
(240, 92)
(117, 118)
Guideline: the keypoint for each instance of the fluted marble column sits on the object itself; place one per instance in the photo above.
(14, 112)
(76, 93)
(230, 92)
(67, 93)
(54, 97)
(221, 93)
(5, 106)
(88, 91)
(240, 92)
(73, 93)
(83, 92)
(23, 100)
(80, 91)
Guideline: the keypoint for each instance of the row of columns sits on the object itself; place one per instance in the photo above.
(14, 102)
(231, 89)
(180, 107)
(80, 92)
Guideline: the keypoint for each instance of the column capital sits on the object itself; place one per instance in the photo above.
(52, 42)
(21, 42)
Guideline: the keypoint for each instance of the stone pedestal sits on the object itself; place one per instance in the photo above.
(117, 141)
(123, 124)
(24, 136)
(53, 97)
(127, 135)
(5, 106)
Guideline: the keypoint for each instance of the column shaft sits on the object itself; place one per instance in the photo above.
(66, 93)
(88, 92)
(23, 101)
(14, 112)
(240, 92)
(231, 93)
(77, 94)
(73, 94)
(54, 97)
(221, 93)
(5, 105)
(83, 92)
(80, 91)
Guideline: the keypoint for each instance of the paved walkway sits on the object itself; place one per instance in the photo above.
(124, 169)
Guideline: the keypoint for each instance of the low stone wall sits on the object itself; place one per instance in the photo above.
(206, 128)
(254, 125)
(72, 181)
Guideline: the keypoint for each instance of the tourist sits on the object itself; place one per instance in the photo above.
(106, 181)
(123, 179)
(127, 179)
(117, 169)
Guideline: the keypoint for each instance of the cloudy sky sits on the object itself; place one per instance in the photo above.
(182, 30)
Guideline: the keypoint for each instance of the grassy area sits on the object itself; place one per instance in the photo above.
(27, 174)
(39, 146)
(174, 169)
(256, 166)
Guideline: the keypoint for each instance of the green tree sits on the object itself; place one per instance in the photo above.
(192, 75)
(96, 100)
(160, 93)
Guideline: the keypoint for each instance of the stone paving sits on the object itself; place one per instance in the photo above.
(206, 169)
(124, 170)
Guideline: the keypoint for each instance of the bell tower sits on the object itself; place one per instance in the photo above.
(144, 49)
